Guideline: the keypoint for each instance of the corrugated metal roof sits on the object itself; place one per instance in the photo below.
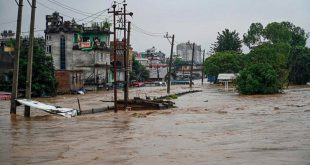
(226, 76)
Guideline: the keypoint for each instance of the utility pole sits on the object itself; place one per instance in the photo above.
(191, 73)
(30, 57)
(170, 62)
(114, 57)
(16, 58)
(202, 67)
(125, 50)
(125, 59)
(127, 67)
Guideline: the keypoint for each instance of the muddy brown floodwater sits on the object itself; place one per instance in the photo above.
(210, 127)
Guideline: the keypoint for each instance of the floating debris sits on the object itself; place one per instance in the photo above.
(66, 112)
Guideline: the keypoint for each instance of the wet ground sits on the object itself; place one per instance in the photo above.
(210, 127)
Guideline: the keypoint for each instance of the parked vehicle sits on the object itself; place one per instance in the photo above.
(137, 84)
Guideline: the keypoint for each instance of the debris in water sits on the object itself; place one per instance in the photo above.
(66, 112)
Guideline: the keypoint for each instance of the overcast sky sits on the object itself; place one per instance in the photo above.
(194, 20)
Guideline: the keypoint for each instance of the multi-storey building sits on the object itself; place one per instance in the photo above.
(185, 51)
(154, 62)
(81, 54)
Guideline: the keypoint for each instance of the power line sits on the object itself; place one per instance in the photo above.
(77, 11)
(89, 16)
(92, 15)
(67, 7)
(53, 10)
(152, 33)
(140, 30)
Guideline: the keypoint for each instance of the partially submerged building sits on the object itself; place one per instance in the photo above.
(81, 54)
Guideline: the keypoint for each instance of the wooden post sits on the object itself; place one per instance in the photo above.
(79, 104)
(16, 58)
(30, 57)
(170, 63)
(192, 64)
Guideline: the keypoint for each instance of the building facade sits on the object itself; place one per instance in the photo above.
(185, 51)
(154, 62)
(81, 54)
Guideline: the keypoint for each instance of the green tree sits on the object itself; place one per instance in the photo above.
(43, 80)
(299, 36)
(223, 62)
(275, 32)
(258, 78)
(227, 41)
(293, 40)
(275, 55)
(254, 36)
(299, 65)
(139, 72)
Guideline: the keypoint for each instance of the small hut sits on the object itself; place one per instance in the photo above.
(226, 78)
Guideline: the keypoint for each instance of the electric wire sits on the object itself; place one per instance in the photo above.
(148, 32)
(53, 10)
(68, 7)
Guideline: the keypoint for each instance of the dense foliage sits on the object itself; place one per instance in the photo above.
(278, 56)
(258, 78)
(299, 65)
(139, 72)
(43, 80)
(223, 62)
(227, 41)
(266, 71)
(283, 33)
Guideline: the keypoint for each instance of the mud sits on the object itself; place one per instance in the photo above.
(210, 127)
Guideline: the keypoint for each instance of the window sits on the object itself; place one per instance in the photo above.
(62, 52)
(48, 37)
(49, 49)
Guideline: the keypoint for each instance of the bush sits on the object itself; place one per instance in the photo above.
(223, 62)
(258, 78)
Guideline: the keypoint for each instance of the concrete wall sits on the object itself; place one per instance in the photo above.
(89, 63)
(162, 71)
(185, 51)
(54, 41)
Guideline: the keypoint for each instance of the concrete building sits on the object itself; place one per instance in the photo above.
(154, 62)
(158, 70)
(81, 54)
(184, 71)
(184, 50)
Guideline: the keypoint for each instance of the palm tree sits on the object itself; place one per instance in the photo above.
(227, 41)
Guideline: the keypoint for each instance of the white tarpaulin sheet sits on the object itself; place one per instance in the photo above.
(66, 112)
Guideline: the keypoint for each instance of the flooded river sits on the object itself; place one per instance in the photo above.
(210, 127)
